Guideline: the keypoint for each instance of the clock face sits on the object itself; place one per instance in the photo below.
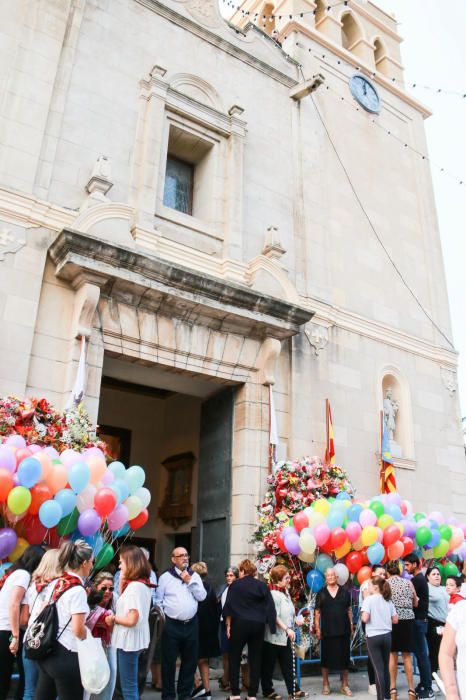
(365, 93)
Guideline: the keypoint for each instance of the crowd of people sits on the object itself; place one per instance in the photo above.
(399, 615)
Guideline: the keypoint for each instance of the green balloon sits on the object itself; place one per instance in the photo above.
(104, 557)
(419, 516)
(451, 569)
(68, 523)
(423, 535)
(445, 532)
(441, 549)
(377, 508)
(440, 567)
(19, 500)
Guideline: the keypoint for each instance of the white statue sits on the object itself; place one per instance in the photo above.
(390, 409)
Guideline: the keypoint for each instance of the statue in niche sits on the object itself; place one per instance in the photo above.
(390, 409)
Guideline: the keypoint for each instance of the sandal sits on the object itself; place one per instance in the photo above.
(222, 685)
(412, 694)
(326, 690)
(393, 693)
(344, 690)
(273, 696)
(301, 694)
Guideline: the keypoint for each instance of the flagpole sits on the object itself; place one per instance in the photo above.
(381, 478)
(327, 436)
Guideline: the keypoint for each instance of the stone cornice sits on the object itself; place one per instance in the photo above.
(219, 41)
(154, 283)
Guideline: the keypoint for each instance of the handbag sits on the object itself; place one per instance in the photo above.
(93, 664)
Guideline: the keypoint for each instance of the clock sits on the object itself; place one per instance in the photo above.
(365, 93)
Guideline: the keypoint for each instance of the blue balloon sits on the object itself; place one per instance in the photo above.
(118, 469)
(343, 496)
(433, 525)
(67, 500)
(29, 472)
(50, 513)
(122, 487)
(354, 512)
(79, 475)
(315, 581)
(395, 512)
(122, 531)
(375, 553)
(335, 518)
(95, 541)
(434, 540)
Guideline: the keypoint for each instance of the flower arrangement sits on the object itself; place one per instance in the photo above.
(39, 422)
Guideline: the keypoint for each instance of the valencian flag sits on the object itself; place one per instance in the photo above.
(387, 470)
(330, 446)
(273, 432)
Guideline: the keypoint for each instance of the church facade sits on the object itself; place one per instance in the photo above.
(217, 208)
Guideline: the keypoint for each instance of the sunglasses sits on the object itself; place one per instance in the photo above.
(107, 588)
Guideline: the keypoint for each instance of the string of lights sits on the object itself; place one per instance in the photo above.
(376, 122)
(413, 85)
(375, 232)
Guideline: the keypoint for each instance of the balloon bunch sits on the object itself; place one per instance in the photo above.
(357, 534)
(45, 495)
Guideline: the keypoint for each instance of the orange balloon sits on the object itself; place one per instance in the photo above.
(364, 574)
(57, 478)
(6, 484)
(21, 546)
(395, 550)
(46, 462)
(97, 465)
(39, 494)
(343, 550)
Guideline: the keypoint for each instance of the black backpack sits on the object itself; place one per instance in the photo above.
(41, 637)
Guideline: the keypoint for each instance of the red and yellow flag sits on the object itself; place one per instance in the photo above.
(387, 470)
(330, 446)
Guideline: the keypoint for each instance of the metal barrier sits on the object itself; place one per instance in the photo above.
(156, 624)
(358, 645)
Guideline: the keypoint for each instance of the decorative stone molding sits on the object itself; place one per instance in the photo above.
(103, 212)
(317, 336)
(204, 11)
(273, 249)
(267, 360)
(10, 243)
(85, 305)
(449, 379)
(264, 263)
(100, 182)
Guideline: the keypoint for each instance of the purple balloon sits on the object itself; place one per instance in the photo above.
(409, 528)
(7, 459)
(108, 477)
(89, 522)
(291, 542)
(52, 452)
(8, 541)
(16, 441)
(118, 517)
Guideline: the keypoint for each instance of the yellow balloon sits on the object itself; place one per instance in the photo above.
(315, 518)
(369, 535)
(385, 520)
(307, 542)
(21, 545)
(322, 506)
(308, 558)
(358, 545)
(343, 550)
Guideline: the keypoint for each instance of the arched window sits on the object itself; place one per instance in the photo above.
(266, 18)
(396, 407)
(320, 10)
(380, 52)
(350, 31)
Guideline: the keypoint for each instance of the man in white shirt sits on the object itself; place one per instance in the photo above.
(179, 591)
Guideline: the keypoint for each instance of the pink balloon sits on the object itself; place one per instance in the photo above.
(7, 459)
(52, 452)
(463, 527)
(321, 533)
(367, 517)
(118, 517)
(379, 534)
(15, 441)
(34, 448)
(69, 457)
(108, 477)
(94, 452)
(353, 530)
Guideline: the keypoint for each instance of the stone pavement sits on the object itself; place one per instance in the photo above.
(312, 684)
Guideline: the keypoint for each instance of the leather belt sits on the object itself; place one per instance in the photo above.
(180, 622)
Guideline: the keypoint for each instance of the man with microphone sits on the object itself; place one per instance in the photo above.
(179, 591)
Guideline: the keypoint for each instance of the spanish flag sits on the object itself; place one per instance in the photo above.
(330, 446)
(387, 470)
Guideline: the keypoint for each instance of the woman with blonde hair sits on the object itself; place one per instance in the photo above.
(248, 607)
(36, 597)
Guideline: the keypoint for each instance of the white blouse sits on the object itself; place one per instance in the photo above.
(136, 596)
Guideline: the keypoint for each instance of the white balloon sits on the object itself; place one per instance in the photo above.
(144, 496)
(85, 499)
(342, 573)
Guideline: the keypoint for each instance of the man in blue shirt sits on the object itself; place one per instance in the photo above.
(179, 591)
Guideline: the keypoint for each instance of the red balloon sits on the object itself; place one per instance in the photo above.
(280, 542)
(408, 545)
(300, 521)
(364, 574)
(139, 520)
(6, 484)
(391, 534)
(21, 454)
(34, 530)
(53, 538)
(104, 501)
(338, 537)
(395, 551)
(354, 561)
(39, 494)
(327, 547)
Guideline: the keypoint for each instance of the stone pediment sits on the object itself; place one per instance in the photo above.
(148, 282)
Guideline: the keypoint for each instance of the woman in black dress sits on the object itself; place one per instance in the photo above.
(208, 616)
(334, 626)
